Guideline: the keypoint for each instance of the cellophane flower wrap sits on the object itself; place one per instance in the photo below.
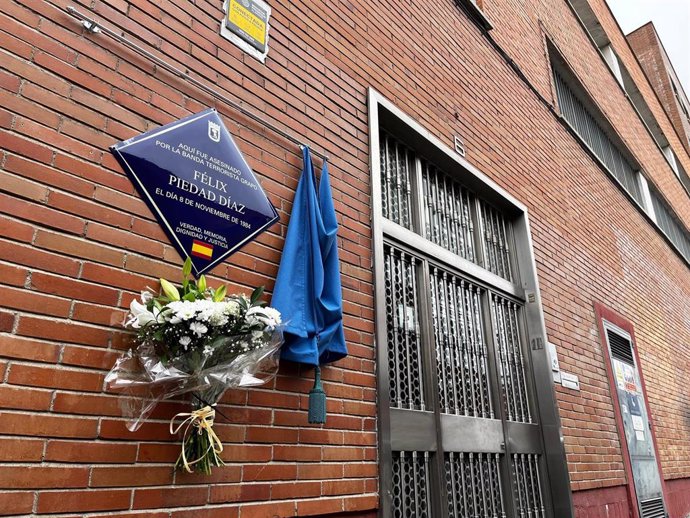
(200, 341)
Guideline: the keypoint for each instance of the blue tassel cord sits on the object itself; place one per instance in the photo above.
(317, 400)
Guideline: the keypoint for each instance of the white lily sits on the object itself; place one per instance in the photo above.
(140, 315)
(270, 317)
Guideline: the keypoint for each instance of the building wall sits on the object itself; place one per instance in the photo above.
(602, 503)
(679, 497)
(78, 243)
(649, 51)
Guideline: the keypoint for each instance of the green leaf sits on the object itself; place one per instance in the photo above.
(202, 283)
(170, 290)
(191, 297)
(256, 295)
(187, 268)
(219, 294)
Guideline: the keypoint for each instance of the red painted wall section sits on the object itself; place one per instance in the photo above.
(608, 502)
(678, 493)
(370, 514)
(613, 502)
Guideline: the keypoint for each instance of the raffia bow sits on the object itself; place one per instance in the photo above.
(202, 420)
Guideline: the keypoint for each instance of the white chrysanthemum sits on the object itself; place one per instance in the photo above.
(198, 328)
(185, 341)
(181, 310)
(218, 319)
(206, 312)
(231, 307)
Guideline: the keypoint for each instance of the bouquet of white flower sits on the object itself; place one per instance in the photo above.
(195, 340)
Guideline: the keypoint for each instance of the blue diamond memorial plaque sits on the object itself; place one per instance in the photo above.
(197, 183)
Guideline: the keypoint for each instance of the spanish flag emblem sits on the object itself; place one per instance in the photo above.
(201, 249)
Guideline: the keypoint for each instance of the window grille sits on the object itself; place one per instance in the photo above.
(397, 163)
(411, 484)
(461, 354)
(668, 221)
(580, 116)
(510, 360)
(528, 493)
(680, 102)
(683, 175)
(473, 485)
(495, 236)
(404, 354)
(448, 213)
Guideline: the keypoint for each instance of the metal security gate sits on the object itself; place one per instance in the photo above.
(459, 417)
(459, 394)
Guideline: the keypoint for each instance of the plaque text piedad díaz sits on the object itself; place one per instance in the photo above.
(203, 185)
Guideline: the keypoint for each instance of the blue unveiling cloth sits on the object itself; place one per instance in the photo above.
(307, 291)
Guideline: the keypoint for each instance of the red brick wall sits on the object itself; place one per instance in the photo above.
(647, 47)
(77, 243)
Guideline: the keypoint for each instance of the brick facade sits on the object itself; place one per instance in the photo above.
(650, 52)
(77, 243)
